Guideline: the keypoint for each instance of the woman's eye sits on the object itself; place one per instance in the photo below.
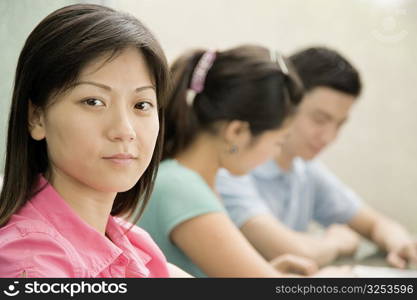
(144, 106)
(320, 121)
(93, 102)
(279, 143)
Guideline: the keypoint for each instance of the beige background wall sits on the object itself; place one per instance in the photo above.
(376, 150)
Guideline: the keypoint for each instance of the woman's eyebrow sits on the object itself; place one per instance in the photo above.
(139, 89)
(108, 88)
(324, 114)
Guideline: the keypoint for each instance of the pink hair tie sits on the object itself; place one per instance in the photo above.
(199, 75)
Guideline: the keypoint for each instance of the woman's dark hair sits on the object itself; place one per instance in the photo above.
(321, 66)
(244, 83)
(51, 60)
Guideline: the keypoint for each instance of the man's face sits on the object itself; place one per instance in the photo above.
(320, 116)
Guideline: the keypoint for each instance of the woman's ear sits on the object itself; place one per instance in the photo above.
(36, 122)
(237, 133)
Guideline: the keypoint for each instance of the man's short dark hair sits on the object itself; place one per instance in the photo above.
(321, 66)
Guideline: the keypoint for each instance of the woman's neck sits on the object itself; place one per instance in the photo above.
(284, 159)
(91, 206)
(202, 157)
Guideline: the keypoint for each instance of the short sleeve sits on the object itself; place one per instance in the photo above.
(240, 196)
(36, 254)
(179, 195)
(334, 202)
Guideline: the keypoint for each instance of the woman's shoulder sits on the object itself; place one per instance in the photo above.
(32, 248)
(171, 168)
(172, 176)
(28, 225)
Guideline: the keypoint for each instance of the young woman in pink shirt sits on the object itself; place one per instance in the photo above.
(83, 146)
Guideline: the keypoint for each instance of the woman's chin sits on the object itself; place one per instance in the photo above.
(117, 187)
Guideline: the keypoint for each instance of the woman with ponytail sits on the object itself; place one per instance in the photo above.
(227, 109)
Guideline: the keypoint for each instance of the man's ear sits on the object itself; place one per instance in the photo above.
(36, 122)
(237, 133)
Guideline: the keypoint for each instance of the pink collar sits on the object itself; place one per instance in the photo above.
(96, 251)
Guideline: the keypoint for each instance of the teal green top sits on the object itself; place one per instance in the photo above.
(179, 195)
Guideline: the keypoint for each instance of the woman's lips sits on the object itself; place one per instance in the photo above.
(121, 158)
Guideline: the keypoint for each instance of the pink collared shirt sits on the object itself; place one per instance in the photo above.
(46, 238)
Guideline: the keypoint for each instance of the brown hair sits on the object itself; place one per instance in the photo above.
(321, 66)
(243, 83)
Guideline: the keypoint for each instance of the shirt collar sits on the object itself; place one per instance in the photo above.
(269, 170)
(96, 251)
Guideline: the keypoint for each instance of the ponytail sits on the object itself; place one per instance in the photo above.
(243, 83)
(180, 118)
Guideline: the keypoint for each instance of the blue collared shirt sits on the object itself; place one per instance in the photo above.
(305, 193)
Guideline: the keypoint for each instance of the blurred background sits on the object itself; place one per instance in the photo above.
(376, 151)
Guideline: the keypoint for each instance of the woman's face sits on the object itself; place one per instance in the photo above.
(102, 132)
(255, 151)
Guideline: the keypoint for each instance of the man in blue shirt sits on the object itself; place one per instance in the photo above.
(275, 203)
